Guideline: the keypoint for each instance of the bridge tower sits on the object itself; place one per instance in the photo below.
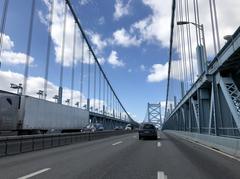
(154, 114)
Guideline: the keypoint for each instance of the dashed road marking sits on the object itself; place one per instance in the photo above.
(34, 174)
(117, 143)
(161, 175)
(159, 144)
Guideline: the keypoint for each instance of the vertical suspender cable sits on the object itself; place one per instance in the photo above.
(198, 22)
(216, 25)
(104, 88)
(170, 52)
(185, 70)
(62, 56)
(190, 43)
(99, 91)
(48, 50)
(182, 45)
(73, 62)
(89, 63)
(3, 22)
(94, 86)
(213, 28)
(81, 77)
(107, 100)
(195, 21)
(95, 58)
(29, 47)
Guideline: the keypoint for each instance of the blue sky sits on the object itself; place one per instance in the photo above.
(129, 37)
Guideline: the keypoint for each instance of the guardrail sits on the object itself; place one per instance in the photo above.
(13, 145)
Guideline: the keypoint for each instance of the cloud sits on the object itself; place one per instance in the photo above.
(7, 43)
(121, 9)
(129, 70)
(114, 60)
(13, 58)
(37, 83)
(155, 27)
(57, 34)
(101, 20)
(101, 60)
(97, 41)
(159, 72)
(123, 38)
(84, 2)
(8, 56)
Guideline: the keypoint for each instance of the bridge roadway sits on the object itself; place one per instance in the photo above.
(123, 157)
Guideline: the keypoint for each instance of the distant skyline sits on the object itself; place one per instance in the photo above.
(129, 37)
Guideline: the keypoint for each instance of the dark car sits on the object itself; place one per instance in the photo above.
(147, 130)
(93, 127)
(118, 128)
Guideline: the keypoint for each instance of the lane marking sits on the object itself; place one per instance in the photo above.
(117, 143)
(34, 174)
(134, 136)
(210, 148)
(159, 144)
(161, 175)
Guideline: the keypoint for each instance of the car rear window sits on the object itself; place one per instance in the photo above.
(148, 126)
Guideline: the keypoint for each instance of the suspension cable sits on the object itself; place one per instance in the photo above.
(82, 72)
(3, 23)
(29, 45)
(73, 63)
(48, 50)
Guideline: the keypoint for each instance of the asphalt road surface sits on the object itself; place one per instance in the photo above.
(123, 157)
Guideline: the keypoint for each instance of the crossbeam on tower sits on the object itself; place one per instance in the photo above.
(154, 114)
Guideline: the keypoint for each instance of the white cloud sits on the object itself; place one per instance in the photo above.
(84, 2)
(8, 56)
(121, 9)
(37, 83)
(114, 60)
(101, 20)
(97, 41)
(159, 72)
(42, 18)
(155, 27)
(57, 34)
(123, 38)
(101, 60)
(7, 43)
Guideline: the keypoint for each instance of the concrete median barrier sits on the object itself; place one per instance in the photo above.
(13, 145)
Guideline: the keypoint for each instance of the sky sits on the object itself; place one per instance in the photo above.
(129, 37)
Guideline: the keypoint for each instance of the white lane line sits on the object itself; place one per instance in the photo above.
(34, 174)
(134, 136)
(159, 144)
(117, 143)
(161, 175)
(210, 148)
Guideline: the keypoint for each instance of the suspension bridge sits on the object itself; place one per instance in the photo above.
(199, 123)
